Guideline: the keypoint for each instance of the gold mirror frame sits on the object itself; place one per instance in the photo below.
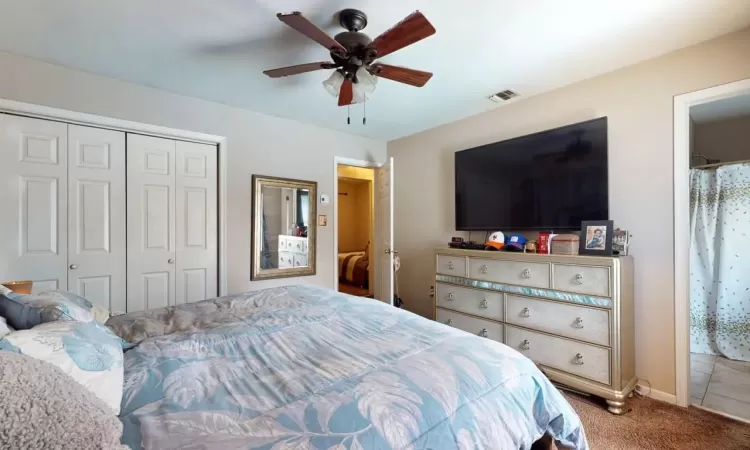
(257, 229)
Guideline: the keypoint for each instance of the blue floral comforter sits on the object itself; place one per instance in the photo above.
(302, 367)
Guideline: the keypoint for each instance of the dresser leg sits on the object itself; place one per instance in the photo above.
(616, 407)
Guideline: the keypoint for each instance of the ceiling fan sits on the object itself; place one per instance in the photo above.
(353, 53)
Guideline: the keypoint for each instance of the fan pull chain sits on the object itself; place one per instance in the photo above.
(349, 114)
(364, 116)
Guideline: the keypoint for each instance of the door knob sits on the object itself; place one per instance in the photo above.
(170, 261)
(73, 267)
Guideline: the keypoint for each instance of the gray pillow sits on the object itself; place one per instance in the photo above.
(42, 407)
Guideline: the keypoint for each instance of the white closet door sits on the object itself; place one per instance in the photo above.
(33, 201)
(197, 262)
(151, 222)
(96, 216)
(385, 287)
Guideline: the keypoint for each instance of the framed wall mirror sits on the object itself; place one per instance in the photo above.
(284, 227)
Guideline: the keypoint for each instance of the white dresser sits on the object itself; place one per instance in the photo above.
(572, 315)
(292, 251)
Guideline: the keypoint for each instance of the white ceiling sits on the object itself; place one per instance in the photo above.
(726, 108)
(217, 49)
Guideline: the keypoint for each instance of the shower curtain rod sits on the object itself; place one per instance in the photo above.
(711, 166)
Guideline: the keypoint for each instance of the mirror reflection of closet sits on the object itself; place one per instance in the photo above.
(283, 227)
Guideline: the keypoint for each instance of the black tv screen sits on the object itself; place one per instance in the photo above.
(551, 180)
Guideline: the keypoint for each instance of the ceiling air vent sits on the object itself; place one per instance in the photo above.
(504, 96)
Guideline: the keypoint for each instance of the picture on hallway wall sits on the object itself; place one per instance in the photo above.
(596, 238)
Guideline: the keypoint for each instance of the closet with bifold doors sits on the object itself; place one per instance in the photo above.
(125, 220)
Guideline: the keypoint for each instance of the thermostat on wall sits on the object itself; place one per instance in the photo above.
(324, 199)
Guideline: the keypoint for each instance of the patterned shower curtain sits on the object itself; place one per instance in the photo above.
(720, 261)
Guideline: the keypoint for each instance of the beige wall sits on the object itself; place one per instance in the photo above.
(639, 102)
(725, 140)
(354, 215)
(257, 144)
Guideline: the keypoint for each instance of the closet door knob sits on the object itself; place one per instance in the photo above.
(170, 261)
(73, 267)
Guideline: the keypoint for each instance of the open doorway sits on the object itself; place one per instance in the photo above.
(355, 224)
(718, 286)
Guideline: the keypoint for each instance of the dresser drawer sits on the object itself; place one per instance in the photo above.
(297, 245)
(577, 322)
(470, 301)
(585, 360)
(582, 279)
(286, 260)
(300, 260)
(479, 327)
(451, 265)
(511, 272)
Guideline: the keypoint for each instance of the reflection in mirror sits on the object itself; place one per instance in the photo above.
(284, 227)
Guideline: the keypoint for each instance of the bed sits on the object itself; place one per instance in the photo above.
(354, 268)
(306, 367)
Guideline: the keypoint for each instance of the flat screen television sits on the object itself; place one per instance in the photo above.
(551, 180)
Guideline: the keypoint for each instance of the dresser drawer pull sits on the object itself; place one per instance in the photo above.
(483, 269)
(449, 322)
(484, 304)
(526, 312)
(525, 345)
(450, 265)
(526, 273)
(578, 359)
(578, 323)
(449, 297)
(578, 279)
(484, 332)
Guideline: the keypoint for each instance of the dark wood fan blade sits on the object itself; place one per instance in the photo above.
(294, 70)
(297, 21)
(413, 28)
(346, 94)
(405, 75)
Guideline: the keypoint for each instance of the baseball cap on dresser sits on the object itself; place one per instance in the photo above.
(515, 242)
(496, 241)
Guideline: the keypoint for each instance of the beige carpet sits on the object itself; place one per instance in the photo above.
(657, 425)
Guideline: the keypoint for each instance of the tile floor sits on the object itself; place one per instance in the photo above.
(720, 384)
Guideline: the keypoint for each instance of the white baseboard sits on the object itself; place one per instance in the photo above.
(657, 395)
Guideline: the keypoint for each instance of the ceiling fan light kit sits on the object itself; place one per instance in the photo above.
(353, 54)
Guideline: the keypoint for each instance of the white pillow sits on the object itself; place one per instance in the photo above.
(4, 327)
(89, 352)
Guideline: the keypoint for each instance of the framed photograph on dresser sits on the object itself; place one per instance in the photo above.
(596, 238)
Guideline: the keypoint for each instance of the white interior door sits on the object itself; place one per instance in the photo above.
(33, 200)
(151, 222)
(384, 273)
(196, 190)
(96, 216)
